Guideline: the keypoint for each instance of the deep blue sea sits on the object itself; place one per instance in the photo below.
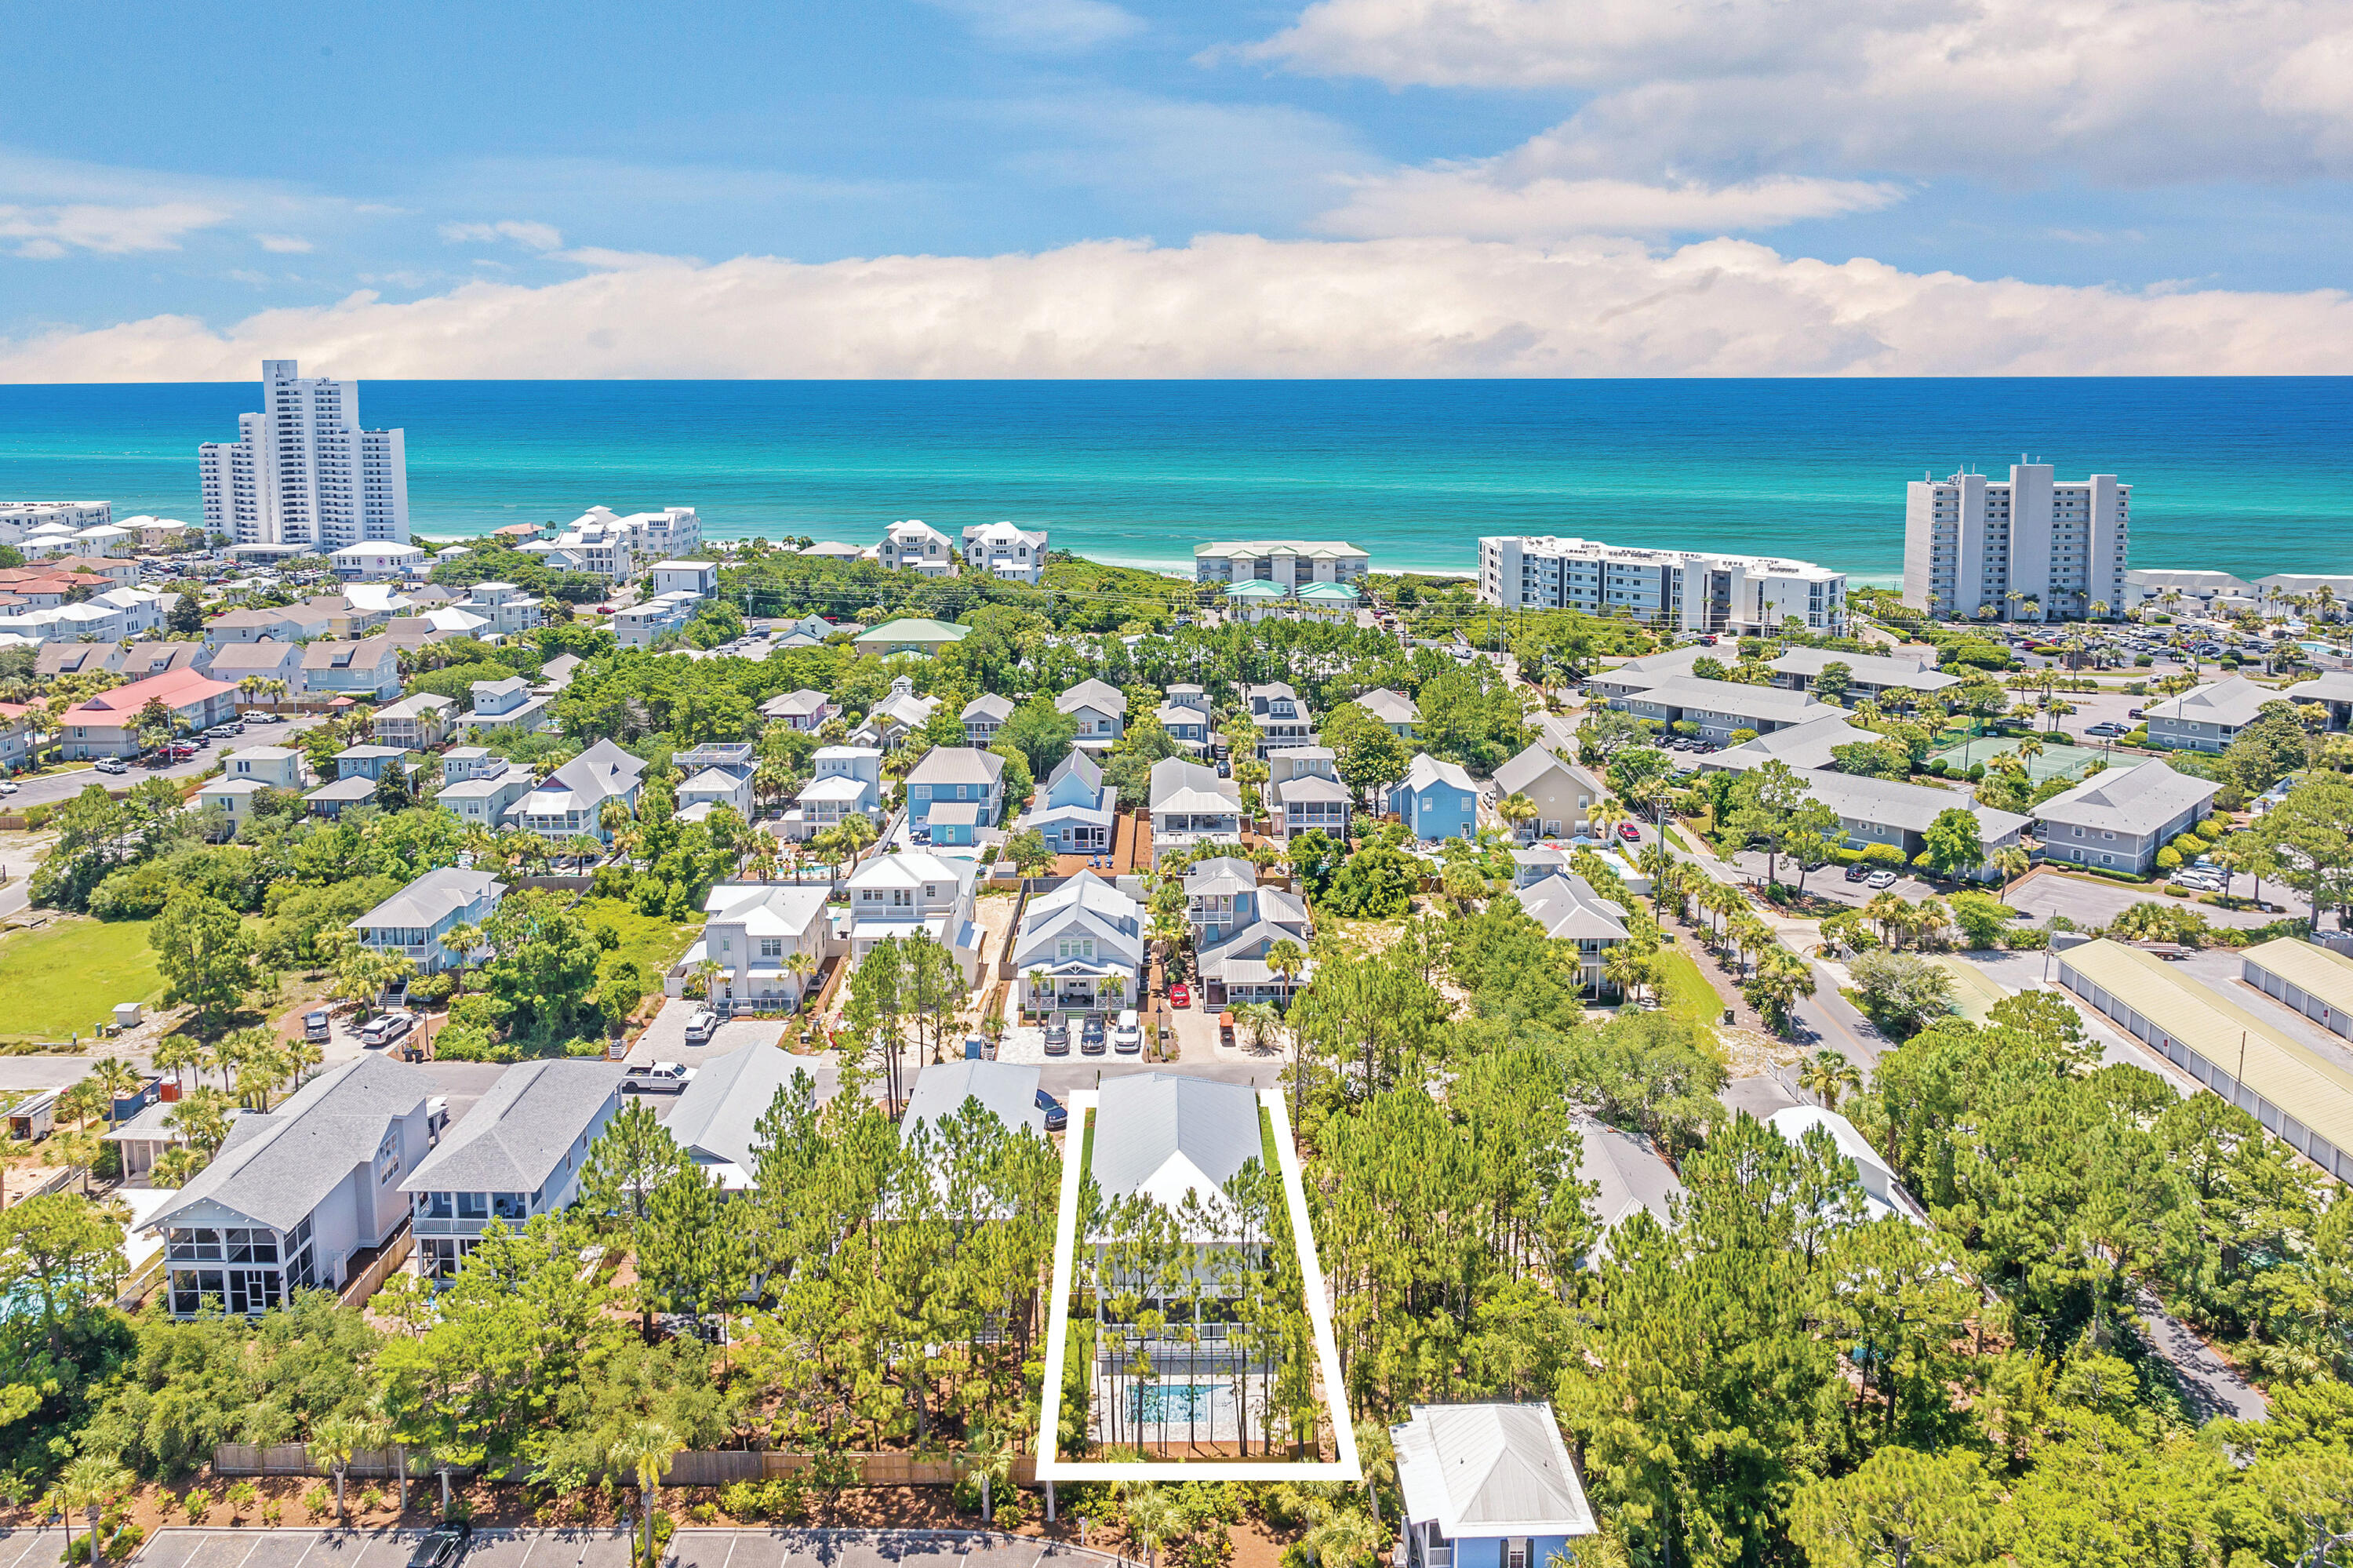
(2245, 475)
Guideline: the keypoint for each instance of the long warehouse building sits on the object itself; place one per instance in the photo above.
(2291, 1089)
(2314, 981)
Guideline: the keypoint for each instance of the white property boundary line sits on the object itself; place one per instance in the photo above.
(1347, 1467)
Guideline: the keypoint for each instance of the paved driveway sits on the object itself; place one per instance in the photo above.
(185, 1548)
(2088, 902)
(52, 786)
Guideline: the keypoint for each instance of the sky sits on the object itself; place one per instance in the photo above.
(1128, 188)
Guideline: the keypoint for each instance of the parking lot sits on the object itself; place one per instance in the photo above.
(2088, 902)
(185, 1548)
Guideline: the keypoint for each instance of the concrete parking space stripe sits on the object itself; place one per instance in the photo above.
(33, 1539)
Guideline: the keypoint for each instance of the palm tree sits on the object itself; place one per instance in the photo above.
(335, 1440)
(77, 1150)
(856, 832)
(1153, 1516)
(114, 1079)
(176, 1053)
(2012, 863)
(1285, 962)
(987, 1455)
(1826, 1076)
(801, 965)
(175, 1167)
(459, 941)
(1517, 811)
(1041, 999)
(643, 1452)
(1891, 914)
(1930, 921)
(90, 1482)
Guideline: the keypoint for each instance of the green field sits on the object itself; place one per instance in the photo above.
(655, 943)
(1685, 991)
(67, 977)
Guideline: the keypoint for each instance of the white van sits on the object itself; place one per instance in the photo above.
(1128, 1035)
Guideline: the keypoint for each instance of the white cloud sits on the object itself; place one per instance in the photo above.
(283, 243)
(1241, 306)
(1051, 25)
(535, 235)
(46, 233)
(2134, 90)
(1472, 200)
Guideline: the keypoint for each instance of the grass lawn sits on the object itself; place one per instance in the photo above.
(654, 942)
(1685, 990)
(67, 975)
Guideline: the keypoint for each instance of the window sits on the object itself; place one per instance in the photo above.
(771, 947)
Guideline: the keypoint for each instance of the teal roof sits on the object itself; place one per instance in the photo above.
(1336, 591)
(1253, 589)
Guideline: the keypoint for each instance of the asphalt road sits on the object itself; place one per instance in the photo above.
(54, 786)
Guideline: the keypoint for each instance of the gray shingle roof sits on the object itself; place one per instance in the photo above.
(278, 1167)
(2137, 800)
(2234, 702)
(516, 1135)
(1099, 695)
(1006, 1089)
(719, 1112)
(956, 765)
(431, 897)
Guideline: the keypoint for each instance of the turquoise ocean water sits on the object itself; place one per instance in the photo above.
(2245, 475)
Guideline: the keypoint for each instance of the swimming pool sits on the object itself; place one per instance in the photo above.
(1165, 1403)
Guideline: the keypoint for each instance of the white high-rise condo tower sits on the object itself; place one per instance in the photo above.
(303, 471)
(1686, 590)
(2027, 548)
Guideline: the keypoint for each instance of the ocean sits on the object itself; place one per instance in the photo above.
(2245, 475)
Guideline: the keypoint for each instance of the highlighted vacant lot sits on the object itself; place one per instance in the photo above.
(1975, 992)
(67, 977)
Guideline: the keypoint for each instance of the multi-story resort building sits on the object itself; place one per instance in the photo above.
(19, 519)
(1288, 564)
(1687, 590)
(2029, 547)
(303, 472)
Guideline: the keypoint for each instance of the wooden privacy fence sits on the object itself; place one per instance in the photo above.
(696, 1468)
(724, 1467)
(369, 1280)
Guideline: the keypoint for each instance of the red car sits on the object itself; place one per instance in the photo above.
(1180, 995)
(1627, 832)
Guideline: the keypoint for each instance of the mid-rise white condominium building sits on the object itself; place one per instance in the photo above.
(303, 472)
(1286, 563)
(1687, 590)
(604, 544)
(2029, 547)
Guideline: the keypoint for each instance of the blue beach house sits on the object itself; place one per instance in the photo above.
(1488, 1486)
(1437, 799)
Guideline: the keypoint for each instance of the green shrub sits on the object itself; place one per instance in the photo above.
(433, 989)
(2026, 939)
(2213, 827)
(119, 1545)
(2168, 859)
(2189, 846)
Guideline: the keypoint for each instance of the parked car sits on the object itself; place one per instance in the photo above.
(1057, 1119)
(1090, 1035)
(2137, 713)
(1127, 1038)
(441, 1546)
(1629, 832)
(1879, 879)
(702, 1025)
(9, 786)
(976, 1049)
(387, 1027)
(1180, 994)
(1857, 872)
(182, 752)
(110, 765)
(2107, 727)
(316, 1027)
(656, 1077)
(1058, 1037)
